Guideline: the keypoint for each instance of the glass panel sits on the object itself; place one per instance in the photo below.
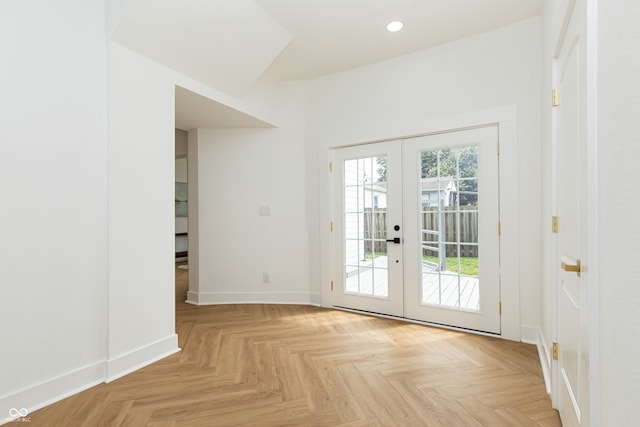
(366, 280)
(365, 225)
(468, 192)
(381, 281)
(429, 164)
(468, 161)
(350, 172)
(468, 226)
(352, 252)
(351, 225)
(449, 229)
(351, 199)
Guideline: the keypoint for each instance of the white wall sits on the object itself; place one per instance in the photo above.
(181, 169)
(239, 170)
(618, 230)
(141, 211)
(53, 225)
(390, 99)
(551, 17)
(181, 144)
(615, 375)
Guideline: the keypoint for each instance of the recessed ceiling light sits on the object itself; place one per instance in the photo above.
(394, 26)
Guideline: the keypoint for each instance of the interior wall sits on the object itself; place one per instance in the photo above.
(238, 172)
(618, 231)
(388, 99)
(181, 143)
(141, 211)
(181, 170)
(53, 225)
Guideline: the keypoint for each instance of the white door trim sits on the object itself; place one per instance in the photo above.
(506, 119)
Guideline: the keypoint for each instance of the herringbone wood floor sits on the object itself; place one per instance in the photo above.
(281, 365)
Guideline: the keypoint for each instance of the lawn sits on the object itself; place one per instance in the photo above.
(468, 265)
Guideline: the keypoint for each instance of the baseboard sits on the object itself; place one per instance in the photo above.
(545, 361)
(126, 363)
(529, 334)
(53, 390)
(315, 299)
(214, 298)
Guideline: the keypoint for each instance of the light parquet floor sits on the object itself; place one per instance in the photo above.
(288, 365)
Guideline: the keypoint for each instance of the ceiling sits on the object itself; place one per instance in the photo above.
(230, 44)
(329, 36)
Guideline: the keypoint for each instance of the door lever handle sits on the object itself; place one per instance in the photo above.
(394, 240)
(571, 267)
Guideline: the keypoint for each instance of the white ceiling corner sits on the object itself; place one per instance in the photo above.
(226, 44)
(197, 111)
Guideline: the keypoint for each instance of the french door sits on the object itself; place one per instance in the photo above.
(416, 228)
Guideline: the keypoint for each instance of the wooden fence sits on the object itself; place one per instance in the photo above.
(375, 225)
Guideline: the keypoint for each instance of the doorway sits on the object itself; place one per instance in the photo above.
(181, 216)
(416, 229)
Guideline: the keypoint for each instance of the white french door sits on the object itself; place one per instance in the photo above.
(368, 206)
(416, 228)
(451, 229)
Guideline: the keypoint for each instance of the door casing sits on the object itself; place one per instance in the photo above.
(506, 120)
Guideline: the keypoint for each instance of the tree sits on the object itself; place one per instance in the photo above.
(460, 163)
(382, 168)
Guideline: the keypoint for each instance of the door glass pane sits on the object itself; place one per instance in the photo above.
(449, 228)
(365, 226)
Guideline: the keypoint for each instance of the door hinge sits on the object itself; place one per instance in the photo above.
(499, 228)
(332, 286)
(331, 226)
(500, 308)
(555, 100)
(554, 224)
(330, 166)
(554, 351)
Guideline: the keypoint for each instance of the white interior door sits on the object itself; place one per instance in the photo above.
(367, 193)
(452, 256)
(573, 383)
(416, 234)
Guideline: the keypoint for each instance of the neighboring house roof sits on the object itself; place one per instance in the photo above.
(433, 184)
(377, 188)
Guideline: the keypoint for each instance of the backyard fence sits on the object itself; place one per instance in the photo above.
(375, 226)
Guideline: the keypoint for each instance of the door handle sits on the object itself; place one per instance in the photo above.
(394, 240)
(571, 267)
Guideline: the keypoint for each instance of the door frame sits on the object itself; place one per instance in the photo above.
(590, 280)
(506, 120)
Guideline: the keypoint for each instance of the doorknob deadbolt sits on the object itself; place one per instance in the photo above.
(396, 227)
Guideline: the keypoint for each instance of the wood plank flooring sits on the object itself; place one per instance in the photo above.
(288, 365)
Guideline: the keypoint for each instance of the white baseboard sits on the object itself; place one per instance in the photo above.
(534, 336)
(53, 390)
(315, 299)
(214, 298)
(133, 360)
(529, 335)
(545, 361)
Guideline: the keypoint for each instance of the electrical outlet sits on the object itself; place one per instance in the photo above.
(266, 278)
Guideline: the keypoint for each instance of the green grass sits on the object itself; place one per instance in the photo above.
(468, 265)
